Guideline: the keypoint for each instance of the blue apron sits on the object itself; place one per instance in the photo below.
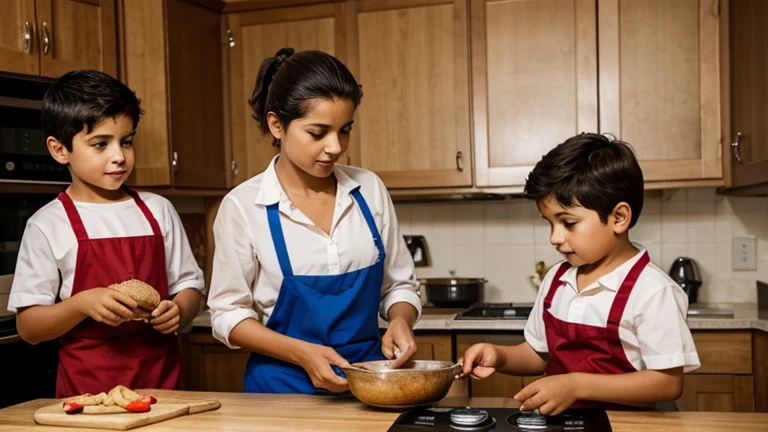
(338, 311)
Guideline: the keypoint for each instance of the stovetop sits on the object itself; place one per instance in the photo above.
(448, 419)
(488, 311)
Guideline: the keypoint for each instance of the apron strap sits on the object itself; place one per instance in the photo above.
(556, 284)
(273, 217)
(145, 210)
(73, 216)
(620, 301)
(369, 220)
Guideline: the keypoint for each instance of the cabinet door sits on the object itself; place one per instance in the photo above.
(733, 393)
(749, 91)
(211, 365)
(498, 384)
(433, 347)
(18, 47)
(411, 57)
(660, 84)
(76, 34)
(258, 35)
(196, 102)
(534, 82)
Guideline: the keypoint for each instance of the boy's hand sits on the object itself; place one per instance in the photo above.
(480, 361)
(551, 395)
(106, 305)
(398, 342)
(165, 317)
(317, 361)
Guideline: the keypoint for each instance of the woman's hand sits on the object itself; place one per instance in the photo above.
(165, 317)
(480, 361)
(551, 395)
(398, 342)
(317, 361)
(106, 305)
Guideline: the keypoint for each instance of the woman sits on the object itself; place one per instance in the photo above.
(312, 246)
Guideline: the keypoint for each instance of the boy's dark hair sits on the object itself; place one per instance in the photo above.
(84, 98)
(590, 170)
(287, 83)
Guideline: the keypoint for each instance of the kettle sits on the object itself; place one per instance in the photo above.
(685, 272)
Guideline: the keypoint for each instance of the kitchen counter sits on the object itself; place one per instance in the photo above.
(274, 413)
(745, 317)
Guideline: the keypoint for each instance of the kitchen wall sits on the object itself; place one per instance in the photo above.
(502, 240)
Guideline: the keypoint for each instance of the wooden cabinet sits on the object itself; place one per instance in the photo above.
(659, 73)
(172, 59)
(52, 37)
(434, 347)
(256, 36)
(534, 82)
(411, 58)
(749, 94)
(210, 365)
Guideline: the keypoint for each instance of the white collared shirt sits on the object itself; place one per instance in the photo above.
(653, 328)
(246, 276)
(49, 247)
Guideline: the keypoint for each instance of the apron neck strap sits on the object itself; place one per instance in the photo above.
(620, 301)
(369, 220)
(74, 217)
(556, 284)
(273, 217)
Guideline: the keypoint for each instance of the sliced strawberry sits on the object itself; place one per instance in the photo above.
(140, 405)
(72, 407)
(152, 399)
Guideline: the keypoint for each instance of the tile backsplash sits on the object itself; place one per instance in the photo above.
(502, 240)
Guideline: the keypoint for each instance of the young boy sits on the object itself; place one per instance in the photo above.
(608, 326)
(98, 233)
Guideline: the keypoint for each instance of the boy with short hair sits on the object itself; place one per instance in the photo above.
(608, 326)
(96, 234)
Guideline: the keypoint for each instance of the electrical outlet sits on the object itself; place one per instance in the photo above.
(744, 253)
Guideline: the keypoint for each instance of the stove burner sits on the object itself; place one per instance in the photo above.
(471, 419)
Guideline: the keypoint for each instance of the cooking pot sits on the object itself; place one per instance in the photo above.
(419, 382)
(453, 292)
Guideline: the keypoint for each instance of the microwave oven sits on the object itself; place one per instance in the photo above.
(24, 156)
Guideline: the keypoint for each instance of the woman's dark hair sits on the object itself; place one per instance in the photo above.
(591, 170)
(83, 99)
(287, 83)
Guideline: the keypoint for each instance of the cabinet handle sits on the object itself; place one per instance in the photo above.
(175, 162)
(460, 161)
(230, 39)
(234, 167)
(46, 38)
(27, 38)
(736, 148)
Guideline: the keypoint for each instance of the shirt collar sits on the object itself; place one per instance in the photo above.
(612, 281)
(271, 191)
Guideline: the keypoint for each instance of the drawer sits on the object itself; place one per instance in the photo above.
(724, 352)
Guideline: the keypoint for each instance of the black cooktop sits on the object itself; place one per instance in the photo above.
(486, 311)
(447, 419)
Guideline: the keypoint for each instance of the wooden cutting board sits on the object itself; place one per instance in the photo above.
(53, 415)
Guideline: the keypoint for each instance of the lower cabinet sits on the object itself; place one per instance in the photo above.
(733, 393)
(210, 365)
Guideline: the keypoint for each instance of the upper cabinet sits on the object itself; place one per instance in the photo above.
(660, 84)
(749, 93)
(52, 37)
(411, 58)
(255, 36)
(172, 59)
(534, 82)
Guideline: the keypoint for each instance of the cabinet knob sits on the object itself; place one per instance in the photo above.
(46, 39)
(175, 162)
(27, 38)
(736, 148)
(234, 167)
(460, 161)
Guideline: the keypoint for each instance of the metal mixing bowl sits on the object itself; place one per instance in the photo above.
(419, 382)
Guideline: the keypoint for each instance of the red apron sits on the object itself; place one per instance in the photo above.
(95, 357)
(586, 348)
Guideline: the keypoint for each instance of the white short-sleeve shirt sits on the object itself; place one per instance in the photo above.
(49, 246)
(246, 276)
(653, 328)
